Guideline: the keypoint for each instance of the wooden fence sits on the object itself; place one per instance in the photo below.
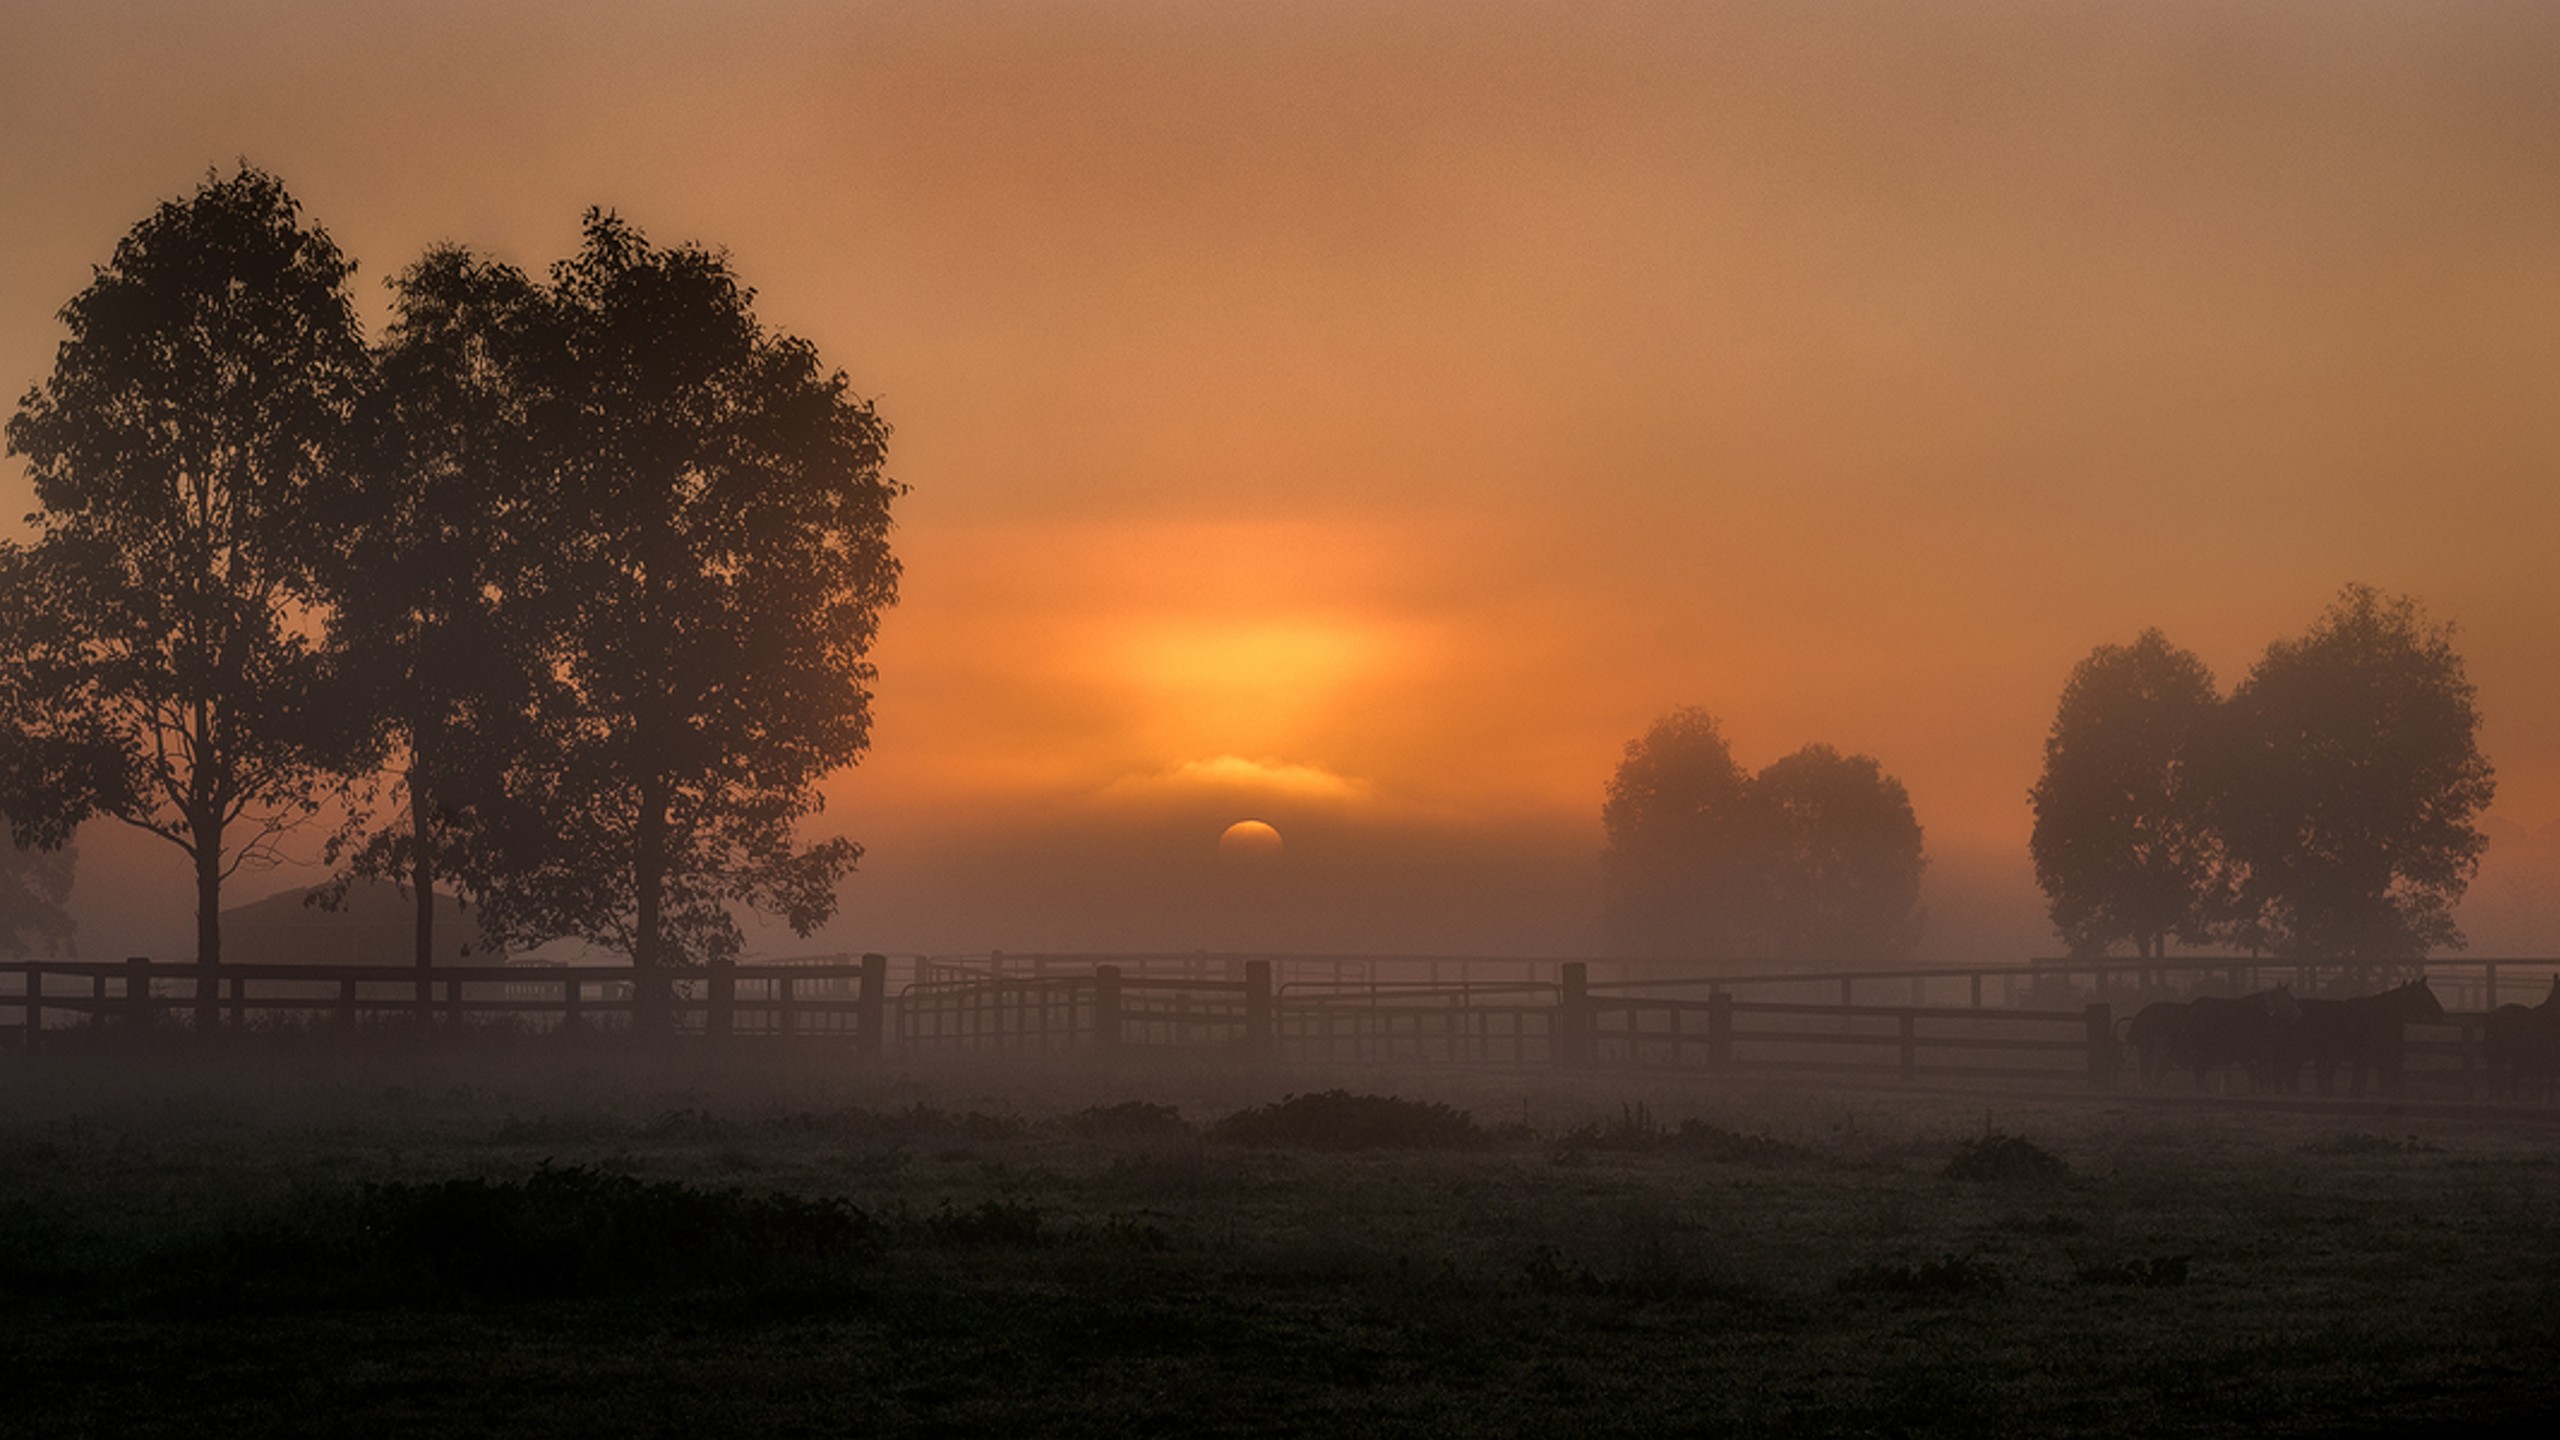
(1244, 1010)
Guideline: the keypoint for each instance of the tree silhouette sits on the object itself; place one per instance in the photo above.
(160, 661)
(1817, 857)
(35, 885)
(429, 563)
(715, 561)
(2348, 777)
(1840, 852)
(2123, 844)
(1676, 864)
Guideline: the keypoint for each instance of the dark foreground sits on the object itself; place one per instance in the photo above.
(535, 1242)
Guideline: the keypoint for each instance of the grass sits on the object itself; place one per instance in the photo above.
(535, 1246)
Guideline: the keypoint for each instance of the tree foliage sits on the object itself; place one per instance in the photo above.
(2123, 846)
(713, 563)
(2325, 810)
(35, 889)
(2349, 782)
(161, 665)
(1842, 858)
(1818, 857)
(1677, 863)
(432, 550)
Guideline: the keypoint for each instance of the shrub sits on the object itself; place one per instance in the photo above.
(581, 1231)
(1997, 1157)
(1946, 1275)
(989, 1222)
(2158, 1272)
(1340, 1120)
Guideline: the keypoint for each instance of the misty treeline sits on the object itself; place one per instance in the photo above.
(559, 592)
(1816, 859)
(2322, 810)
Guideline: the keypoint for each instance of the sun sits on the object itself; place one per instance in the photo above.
(1249, 842)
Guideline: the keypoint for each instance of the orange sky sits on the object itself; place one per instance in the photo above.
(1370, 415)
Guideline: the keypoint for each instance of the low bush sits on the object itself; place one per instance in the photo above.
(2157, 1273)
(1946, 1275)
(2001, 1158)
(1340, 1120)
(582, 1231)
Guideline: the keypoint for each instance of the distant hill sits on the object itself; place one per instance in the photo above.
(373, 925)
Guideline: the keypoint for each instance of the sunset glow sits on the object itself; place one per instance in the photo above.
(1376, 415)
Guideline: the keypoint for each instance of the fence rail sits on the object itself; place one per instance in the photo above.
(1247, 1011)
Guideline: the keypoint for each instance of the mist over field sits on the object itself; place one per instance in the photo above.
(1371, 717)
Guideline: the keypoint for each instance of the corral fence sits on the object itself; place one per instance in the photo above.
(1912, 1024)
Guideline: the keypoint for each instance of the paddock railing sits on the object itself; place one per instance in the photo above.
(1247, 1009)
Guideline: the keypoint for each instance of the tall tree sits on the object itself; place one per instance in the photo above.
(428, 567)
(718, 560)
(1816, 857)
(1840, 851)
(2349, 779)
(1676, 864)
(160, 654)
(2124, 847)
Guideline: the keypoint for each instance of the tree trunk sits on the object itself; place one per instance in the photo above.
(422, 879)
(648, 966)
(208, 857)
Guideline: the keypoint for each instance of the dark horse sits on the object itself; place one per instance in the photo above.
(2522, 1045)
(2212, 1031)
(2362, 1034)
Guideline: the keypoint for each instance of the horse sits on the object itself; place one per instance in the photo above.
(2158, 1035)
(2363, 1034)
(2213, 1031)
(2520, 1045)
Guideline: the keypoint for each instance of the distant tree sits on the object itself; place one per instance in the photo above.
(2349, 776)
(1841, 855)
(717, 560)
(1677, 863)
(2123, 843)
(35, 888)
(1817, 857)
(159, 652)
(427, 569)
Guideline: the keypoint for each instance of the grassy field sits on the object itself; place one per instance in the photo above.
(547, 1240)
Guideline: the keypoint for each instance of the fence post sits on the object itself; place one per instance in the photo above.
(1574, 1042)
(35, 1007)
(1261, 1037)
(786, 996)
(721, 1000)
(137, 991)
(871, 1013)
(208, 999)
(2102, 1046)
(569, 1002)
(347, 1005)
(2489, 987)
(1106, 1007)
(1719, 1030)
(1910, 1045)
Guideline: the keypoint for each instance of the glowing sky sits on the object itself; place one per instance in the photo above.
(1368, 416)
